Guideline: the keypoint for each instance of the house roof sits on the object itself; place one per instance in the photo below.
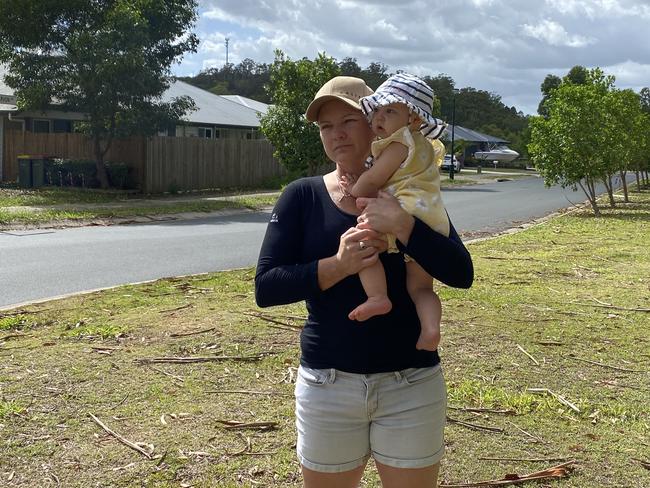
(248, 102)
(233, 110)
(464, 134)
(216, 109)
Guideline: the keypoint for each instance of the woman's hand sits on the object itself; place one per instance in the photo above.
(358, 249)
(384, 214)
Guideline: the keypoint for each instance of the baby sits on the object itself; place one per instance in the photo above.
(406, 165)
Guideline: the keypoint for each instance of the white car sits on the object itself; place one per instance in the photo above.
(447, 162)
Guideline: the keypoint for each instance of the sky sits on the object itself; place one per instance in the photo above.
(506, 47)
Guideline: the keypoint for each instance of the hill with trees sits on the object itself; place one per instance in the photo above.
(475, 109)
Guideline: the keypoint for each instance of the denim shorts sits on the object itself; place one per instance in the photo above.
(342, 418)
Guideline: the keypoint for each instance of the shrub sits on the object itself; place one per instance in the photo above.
(83, 173)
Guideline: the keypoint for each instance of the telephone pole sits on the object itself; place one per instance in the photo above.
(227, 41)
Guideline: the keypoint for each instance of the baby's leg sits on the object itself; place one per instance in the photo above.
(427, 303)
(373, 280)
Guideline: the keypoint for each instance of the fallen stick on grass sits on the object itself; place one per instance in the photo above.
(251, 392)
(559, 471)
(178, 378)
(614, 307)
(283, 327)
(530, 460)
(558, 397)
(603, 365)
(482, 410)
(14, 335)
(534, 437)
(201, 359)
(645, 464)
(247, 448)
(120, 438)
(176, 309)
(474, 426)
(269, 318)
(550, 343)
(120, 402)
(235, 425)
(195, 332)
(527, 354)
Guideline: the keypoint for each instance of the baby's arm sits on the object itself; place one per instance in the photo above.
(372, 180)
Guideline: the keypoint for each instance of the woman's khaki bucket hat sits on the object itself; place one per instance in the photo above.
(348, 89)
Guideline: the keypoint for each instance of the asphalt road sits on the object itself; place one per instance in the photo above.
(40, 264)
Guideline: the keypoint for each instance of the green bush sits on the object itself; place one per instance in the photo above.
(121, 176)
(83, 173)
(71, 172)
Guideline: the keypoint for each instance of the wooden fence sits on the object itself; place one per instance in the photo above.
(188, 163)
(69, 146)
(160, 163)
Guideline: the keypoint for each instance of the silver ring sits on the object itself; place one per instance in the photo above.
(362, 245)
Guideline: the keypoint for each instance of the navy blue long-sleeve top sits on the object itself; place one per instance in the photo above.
(306, 226)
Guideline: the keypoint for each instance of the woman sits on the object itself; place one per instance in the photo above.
(362, 389)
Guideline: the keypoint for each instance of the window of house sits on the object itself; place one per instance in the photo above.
(41, 126)
(205, 132)
(62, 126)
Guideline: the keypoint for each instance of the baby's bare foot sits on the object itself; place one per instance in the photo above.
(373, 306)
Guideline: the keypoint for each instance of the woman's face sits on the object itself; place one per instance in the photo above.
(346, 135)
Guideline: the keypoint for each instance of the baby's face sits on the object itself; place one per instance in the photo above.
(389, 118)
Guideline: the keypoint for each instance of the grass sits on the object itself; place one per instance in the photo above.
(565, 292)
(11, 196)
(47, 206)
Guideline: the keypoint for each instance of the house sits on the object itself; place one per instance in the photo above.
(474, 141)
(32, 121)
(469, 135)
(215, 117)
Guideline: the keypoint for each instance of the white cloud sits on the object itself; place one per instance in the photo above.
(601, 8)
(630, 74)
(554, 34)
(482, 3)
(503, 46)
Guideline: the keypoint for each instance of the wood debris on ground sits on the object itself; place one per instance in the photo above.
(559, 471)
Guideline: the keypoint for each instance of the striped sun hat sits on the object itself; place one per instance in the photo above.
(411, 91)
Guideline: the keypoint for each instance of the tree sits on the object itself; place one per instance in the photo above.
(247, 79)
(349, 67)
(375, 74)
(644, 94)
(443, 90)
(108, 59)
(627, 132)
(578, 75)
(642, 163)
(569, 145)
(640, 147)
(550, 83)
(477, 109)
(291, 88)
